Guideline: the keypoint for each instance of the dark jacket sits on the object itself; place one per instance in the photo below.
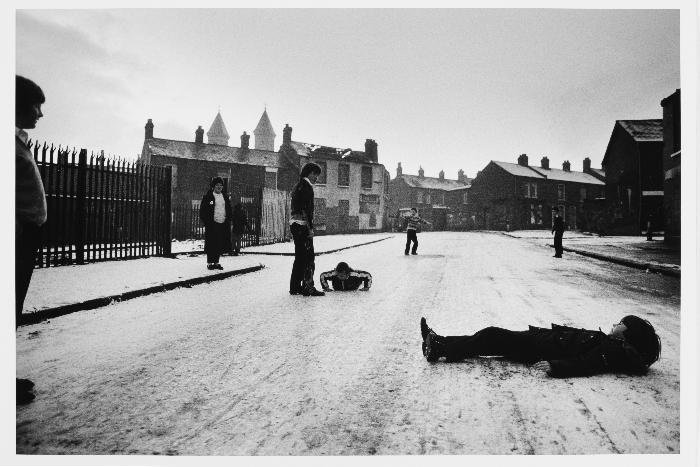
(206, 209)
(353, 282)
(239, 221)
(582, 352)
(558, 226)
(303, 202)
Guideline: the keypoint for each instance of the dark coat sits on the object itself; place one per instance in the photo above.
(239, 221)
(582, 352)
(558, 226)
(206, 214)
(303, 202)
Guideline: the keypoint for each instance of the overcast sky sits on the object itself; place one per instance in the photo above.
(443, 89)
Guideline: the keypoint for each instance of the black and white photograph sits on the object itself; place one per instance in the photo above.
(352, 231)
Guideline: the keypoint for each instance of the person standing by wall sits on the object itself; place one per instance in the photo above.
(558, 231)
(30, 204)
(301, 225)
(215, 213)
(412, 223)
(239, 224)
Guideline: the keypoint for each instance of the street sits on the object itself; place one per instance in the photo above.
(240, 367)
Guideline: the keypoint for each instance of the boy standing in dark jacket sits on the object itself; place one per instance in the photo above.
(343, 277)
(215, 213)
(558, 231)
(301, 225)
(631, 347)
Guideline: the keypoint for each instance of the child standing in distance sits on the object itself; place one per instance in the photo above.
(215, 213)
(413, 221)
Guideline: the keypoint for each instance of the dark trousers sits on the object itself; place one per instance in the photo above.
(216, 241)
(304, 266)
(493, 341)
(411, 237)
(558, 248)
(27, 240)
(236, 239)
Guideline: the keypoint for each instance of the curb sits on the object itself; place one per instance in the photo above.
(48, 313)
(627, 262)
(200, 252)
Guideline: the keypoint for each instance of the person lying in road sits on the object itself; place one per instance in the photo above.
(631, 346)
(343, 277)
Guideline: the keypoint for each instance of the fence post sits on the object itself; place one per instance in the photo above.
(167, 247)
(80, 208)
(258, 227)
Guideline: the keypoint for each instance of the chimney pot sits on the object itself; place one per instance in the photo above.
(566, 166)
(287, 135)
(199, 135)
(441, 175)
(245, 140)
(399, 170)
(149, 129)
(587, 165)
(545, 163)
(420, 172)
(522, 160)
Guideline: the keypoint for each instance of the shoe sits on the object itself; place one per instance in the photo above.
(314, 292)
(431, 350)
(24, 385)
(218, 266)
(406, 253)
(295, 292)
(24, 397)
(556, 256)
(211, 266)
(414, 253)
(424, 329)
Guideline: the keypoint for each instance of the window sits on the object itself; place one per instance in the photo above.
(344, 207)
(427, 198)
(173, 175)
(529, 190)
(319, 204)
(387, 179)
(321, 180)
(561, 192)
(343, 175)
(536, 214)
(583, 193)
(419, 197)
(369, 203)
(366, 180)
(465, 198)
(270, 178)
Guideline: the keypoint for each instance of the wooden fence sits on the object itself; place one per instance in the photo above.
(101, 209)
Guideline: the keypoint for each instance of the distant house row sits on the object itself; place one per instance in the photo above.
(638, 183)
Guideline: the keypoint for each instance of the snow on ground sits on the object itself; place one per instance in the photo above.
(239, 366)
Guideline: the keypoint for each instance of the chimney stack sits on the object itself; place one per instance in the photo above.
(245, 140)
(149, 129)
(399, 170)
(199, 135)
(460, 176)
(441, 175)
(522, 160)
(545, 163)
(566, 166)
(371, 150)
(587, 165)
(420, 172)
(287, 135)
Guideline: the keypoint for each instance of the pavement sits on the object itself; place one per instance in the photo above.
(57, 291)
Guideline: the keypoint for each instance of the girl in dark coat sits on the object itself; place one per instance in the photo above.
(215, 213)
(239, 226)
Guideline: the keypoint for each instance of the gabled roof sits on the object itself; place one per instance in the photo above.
(317, 151)
(644, 130)
(264, 125)
(212, 152)
(217, 127)
(570, 176)
(517, 169)
(432, 183)
(548, 174)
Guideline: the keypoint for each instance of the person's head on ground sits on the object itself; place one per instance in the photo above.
(311, 170)
(640, 334)
(28, 100)
(343, 270)
(217, 185)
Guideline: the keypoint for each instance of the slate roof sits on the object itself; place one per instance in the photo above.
(644, 130)
(264, 125)
(217, 127)
(212, 152)
(549, 174)
(317, 151)
(432, 183)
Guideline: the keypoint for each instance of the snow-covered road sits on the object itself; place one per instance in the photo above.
(241, 367)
